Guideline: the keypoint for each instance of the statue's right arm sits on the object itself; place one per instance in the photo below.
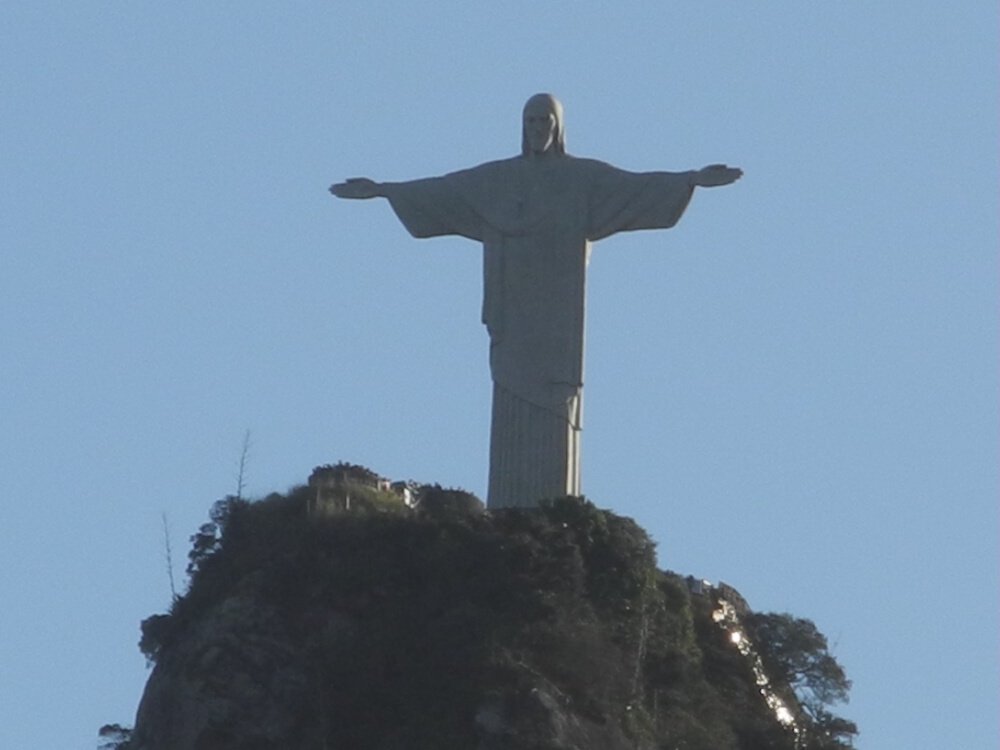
(359, 188)
(428, 207)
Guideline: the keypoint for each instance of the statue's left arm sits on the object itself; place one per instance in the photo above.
(715, 175)
(621, 201)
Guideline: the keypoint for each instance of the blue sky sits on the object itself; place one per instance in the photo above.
(794, 390)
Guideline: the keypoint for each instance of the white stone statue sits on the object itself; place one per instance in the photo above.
(536, 215)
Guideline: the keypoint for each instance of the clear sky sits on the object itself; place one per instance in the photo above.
(794, 390)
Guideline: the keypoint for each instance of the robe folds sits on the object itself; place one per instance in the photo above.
(536, 218)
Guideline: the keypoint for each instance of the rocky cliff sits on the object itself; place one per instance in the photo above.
(388, 628)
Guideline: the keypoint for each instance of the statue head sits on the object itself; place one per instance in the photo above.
(542, 126)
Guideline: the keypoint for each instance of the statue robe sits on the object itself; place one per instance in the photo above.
(536, 219)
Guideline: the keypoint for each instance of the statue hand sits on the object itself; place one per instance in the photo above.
(715, 175)
(357, 187)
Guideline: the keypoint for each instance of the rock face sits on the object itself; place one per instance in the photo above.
(249, 690)
(234, 680)
(392, 630)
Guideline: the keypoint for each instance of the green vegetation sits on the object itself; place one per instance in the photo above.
(795, 654)
(410, 621)
(114, 737)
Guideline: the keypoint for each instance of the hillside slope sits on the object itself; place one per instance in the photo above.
(385, 628)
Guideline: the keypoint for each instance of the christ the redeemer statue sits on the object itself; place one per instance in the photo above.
(536, 215)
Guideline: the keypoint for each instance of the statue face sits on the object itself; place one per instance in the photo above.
(539, 128)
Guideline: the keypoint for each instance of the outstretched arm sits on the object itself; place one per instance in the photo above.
(430, 207)
(358, 187)
(715, 175)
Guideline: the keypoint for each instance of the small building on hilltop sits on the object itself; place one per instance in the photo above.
(338, 487)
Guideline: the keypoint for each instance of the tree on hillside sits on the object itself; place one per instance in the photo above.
(795, 653)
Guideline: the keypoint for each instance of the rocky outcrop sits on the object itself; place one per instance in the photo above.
(239, 680)
(517, 630)
(235, 680)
